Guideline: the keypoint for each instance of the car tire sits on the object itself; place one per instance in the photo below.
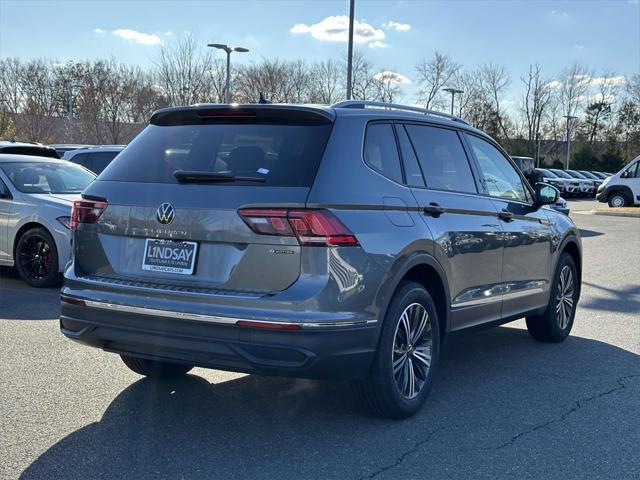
(36, 258)
(155, 368)
(398, 363)
(555, 324)
(617, 200)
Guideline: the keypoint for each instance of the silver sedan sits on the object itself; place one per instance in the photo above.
(36, 196)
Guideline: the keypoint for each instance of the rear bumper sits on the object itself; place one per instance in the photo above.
(342, 350)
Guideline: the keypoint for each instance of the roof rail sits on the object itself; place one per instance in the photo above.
(396, 106)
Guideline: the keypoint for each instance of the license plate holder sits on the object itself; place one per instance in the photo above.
(169, 256)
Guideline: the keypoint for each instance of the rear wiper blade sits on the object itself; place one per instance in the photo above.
(184, 176)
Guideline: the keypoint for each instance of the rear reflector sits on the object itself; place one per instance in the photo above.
(86, 211)
(270, 325)
(72, 301)
(311, 227)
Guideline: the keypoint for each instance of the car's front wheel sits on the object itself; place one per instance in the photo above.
(402, 372)
(555, 324)
(36, 258)
(617, 200)
(154, 368)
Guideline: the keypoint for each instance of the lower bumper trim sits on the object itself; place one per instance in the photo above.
(215, 319)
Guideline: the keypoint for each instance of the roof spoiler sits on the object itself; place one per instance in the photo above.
(245, 113)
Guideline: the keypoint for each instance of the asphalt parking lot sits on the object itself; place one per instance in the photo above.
(503, 405)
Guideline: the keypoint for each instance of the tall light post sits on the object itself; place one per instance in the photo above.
(71, 87)
(228, 49)
(350, 48)
(569, 118)
(453, 92)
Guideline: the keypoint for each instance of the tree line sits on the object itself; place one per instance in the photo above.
(107, 102)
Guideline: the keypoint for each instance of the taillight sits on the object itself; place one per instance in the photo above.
(311, 227)
(86, 211)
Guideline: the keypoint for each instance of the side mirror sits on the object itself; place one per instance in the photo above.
(546, 194)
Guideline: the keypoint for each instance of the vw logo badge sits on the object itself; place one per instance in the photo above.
(165, 213)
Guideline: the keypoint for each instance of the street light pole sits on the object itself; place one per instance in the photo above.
(228, 50)
(350, 50)
(453, 92)
(567, 160)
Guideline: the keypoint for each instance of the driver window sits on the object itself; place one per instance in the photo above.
(633, 171)
(497, 175)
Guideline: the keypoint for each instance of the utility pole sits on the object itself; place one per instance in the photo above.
(350, 51)
(228, 50)
(453, 92)
(567, 160)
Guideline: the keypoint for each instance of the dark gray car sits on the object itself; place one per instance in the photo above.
(339, 242)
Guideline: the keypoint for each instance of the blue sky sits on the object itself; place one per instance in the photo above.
(395, 35)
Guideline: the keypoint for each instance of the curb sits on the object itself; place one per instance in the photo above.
(618, 212)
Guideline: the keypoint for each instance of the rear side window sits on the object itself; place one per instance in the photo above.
(444, 163)
(411, 167)
(80, 159)
(99, 161)
(381, 151)
(284, 155)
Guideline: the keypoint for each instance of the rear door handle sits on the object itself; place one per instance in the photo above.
(505, 215)
(434, 209)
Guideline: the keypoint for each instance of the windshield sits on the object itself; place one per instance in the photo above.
(575, 174)
(589, 175)
(41, 177)
(562, 174)
(280, 155)
(547, 173)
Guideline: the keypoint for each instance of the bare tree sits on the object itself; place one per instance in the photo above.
(433, 75)
(363, 85)
(185, 71)
(574, 87)
(494, 80)
(534, 102)
(327, 84)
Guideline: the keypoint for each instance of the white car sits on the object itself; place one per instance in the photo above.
(36, 194)
(623, 188)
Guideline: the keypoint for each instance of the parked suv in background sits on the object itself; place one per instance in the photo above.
(341, 242)
(95, 159)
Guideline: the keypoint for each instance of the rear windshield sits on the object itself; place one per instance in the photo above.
(30, 150)
(41, 177)
(284, 155)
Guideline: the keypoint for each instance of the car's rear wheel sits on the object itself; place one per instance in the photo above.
(155, 368)
(402, 372)
(36, 258)
(617, 200)
(555, 324)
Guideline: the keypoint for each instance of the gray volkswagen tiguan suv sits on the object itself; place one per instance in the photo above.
(310, 241)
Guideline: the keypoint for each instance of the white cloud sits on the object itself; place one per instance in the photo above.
(168, 34)
(618, 80)
(378, 44)
(336, 29)
(138, 37)
(401, 27)
(602, 98)
(554, 84)
(100, 31)
(391, 77)
(559, 17)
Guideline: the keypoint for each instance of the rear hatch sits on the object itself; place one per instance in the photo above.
(171, 199)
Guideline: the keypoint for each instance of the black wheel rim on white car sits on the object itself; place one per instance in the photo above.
(564, 299)
(412, 350)
(36, 257)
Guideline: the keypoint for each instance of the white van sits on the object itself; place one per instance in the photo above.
(623, 188)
